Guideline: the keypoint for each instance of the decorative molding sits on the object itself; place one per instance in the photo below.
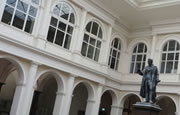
(150, 4)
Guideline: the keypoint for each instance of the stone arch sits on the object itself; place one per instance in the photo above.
(124, 97)
(113, 95)
(168, 105)
(19, 66)
(58, 77)
(89, 88)
(127, 102)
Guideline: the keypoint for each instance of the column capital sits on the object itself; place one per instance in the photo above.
(91, 101)
(20, 84)
(35, 63)
(60, 93)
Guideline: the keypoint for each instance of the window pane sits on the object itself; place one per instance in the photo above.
(90, 52)
(51, 34)
(65, 11)
(177, 47)
(135, 49)
(84, 49)
(177, 56)
(114, 53)
(169, 67)
(138, 66)
(118, 55)
(112, 63)
(54, 21)
(72, 18)
(22, 6)
(86, 37)
(19, 20)
(139, 58)
(88, 27)
(94, 28)
(100, 33)
(164, 56)
(57, 9)
(140, 48)
(96, 57)
(67, 41)
(35, 2)
(162, 67)
(170, 56)
(165, 47)
(143, 65)
(98, 44)
(175, 66)
(132, 68)
(117, 63)
(109, 60)
(116, 41)
(70, 30)
(144, 58)
(59, 38)
(11, 2)
(92, 41)
(133, 57)
(7, 15)
(29, 24)
(62, 26)
(32, 11)
(171, 46)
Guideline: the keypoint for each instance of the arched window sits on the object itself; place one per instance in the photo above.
(170, 57)
(61, 25)
(21, 14)
(92, 41)
(114, 54)
(138, 57)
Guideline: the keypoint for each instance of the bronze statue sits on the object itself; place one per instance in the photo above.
(149, 81)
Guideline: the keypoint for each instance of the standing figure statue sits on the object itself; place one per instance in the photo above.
(149, 81)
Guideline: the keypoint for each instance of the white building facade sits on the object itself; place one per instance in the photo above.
(71, 57)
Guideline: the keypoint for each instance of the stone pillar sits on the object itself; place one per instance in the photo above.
(29, 89)
(58, 104)
(89, 107)
(120, 111)
(68, 95)
(16, 108)
(153, 47)
(115, 110)
(97, 101)
(80, 35)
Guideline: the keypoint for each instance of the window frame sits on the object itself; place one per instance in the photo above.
(118, 50)
(64, 21)
(92, 36)
(165, 61)
(144, 54)
(27, 14)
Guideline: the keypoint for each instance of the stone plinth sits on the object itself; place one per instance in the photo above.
(146, 109)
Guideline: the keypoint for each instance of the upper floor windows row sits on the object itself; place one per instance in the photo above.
(21, 14)
(169, 57)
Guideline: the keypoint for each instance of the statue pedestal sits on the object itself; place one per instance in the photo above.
(146, 109)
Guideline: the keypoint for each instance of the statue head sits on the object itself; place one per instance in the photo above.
(150, 61)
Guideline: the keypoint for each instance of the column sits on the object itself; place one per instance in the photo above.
(104, 55)
(89, 107)
(29, 90)
(43, 22)
(120, 111)
(58, 104)
(178, 108)
(68, 95)
(115, 110)
(153, 47)
(96, 104)
(17, 104)
(79, 37)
